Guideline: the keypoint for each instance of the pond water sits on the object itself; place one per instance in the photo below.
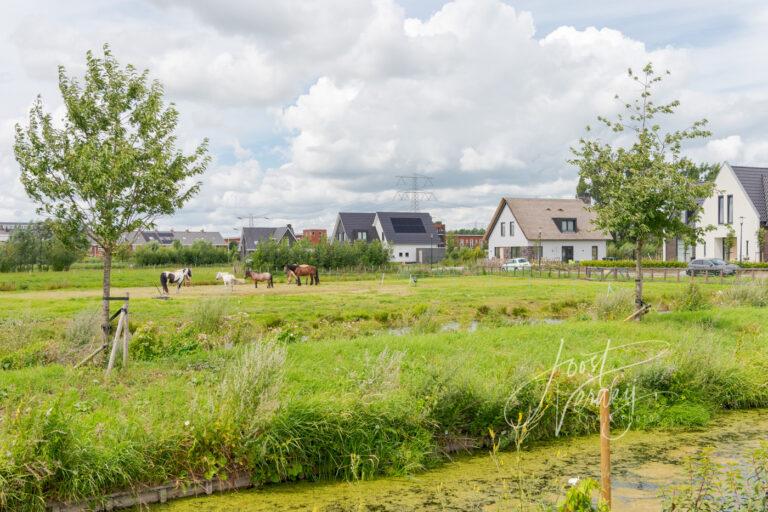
(643, 462)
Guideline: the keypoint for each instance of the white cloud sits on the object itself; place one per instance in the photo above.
(315, 107)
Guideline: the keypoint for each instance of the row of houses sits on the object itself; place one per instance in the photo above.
(533, 228)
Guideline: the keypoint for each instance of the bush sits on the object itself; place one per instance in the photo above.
(83, 328)
(199, 253)
(209, 315)
(631, 263)
(747, 293)
(692, 299)
(615, 305)
(272, 256)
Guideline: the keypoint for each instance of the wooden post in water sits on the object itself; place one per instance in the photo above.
(605, 446)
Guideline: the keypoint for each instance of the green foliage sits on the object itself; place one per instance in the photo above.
(200, 252)
(113, 166)
(692, 299)
(631, 263)
(626, 250)
(582, 496)
(712, 486)
(616, 305)
(643, 190)
(272, 256)
(43, 245)
(747, 293)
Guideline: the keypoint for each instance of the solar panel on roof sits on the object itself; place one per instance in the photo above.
(408, 225)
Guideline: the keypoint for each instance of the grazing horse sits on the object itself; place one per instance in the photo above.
(303, 270)
(177, 277)
(228, 279)
(260, 276)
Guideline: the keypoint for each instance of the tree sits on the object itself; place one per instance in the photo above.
(645, 187)
(112, 166)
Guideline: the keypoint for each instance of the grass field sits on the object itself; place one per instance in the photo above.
(349, 379)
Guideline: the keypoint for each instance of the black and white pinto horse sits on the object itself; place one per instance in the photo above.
(177, 277)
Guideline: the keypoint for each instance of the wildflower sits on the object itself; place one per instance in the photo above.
(572, 482)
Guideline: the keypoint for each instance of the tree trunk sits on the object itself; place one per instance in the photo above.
(105, 294)
(639, 277)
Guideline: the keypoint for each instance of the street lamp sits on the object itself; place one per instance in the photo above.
(540, 250)
(741, 236)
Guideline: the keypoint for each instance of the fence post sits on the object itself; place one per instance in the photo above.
(605, 446)
(126, 331)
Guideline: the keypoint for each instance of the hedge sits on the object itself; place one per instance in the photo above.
(631, 263)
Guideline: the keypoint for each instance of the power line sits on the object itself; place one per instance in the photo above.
(414, 188)
(250, 217)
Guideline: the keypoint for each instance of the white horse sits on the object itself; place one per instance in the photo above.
(177, 277)
(228, 279)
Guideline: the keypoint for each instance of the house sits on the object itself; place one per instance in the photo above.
(251, 237)
(736, 210)
(465, 240)
(7, 228)
(314, 235)
(550, 229)
(410, 236)
(167, 238)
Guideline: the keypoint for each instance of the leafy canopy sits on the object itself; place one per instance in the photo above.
(645, 187)
(111, 166)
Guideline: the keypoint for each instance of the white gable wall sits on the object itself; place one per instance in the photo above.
(726, 184)
(514, 238)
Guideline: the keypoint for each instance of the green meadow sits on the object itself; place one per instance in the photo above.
(351, 379)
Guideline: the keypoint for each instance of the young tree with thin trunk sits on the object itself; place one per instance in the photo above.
(111, 166)
(647, 186)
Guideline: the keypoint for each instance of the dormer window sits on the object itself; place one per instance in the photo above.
(566, 225)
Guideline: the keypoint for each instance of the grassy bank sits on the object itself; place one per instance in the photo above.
(356, 379)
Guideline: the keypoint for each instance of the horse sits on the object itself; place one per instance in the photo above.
(260, 276)
(228, 279)
(302, 270)
(177, 277)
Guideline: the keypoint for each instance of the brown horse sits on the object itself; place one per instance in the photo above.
(303, 270)
(260, 276)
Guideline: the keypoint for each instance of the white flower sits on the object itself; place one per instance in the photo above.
(573, 481)
(186, 423)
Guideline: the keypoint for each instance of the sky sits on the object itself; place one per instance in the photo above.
(312, 108)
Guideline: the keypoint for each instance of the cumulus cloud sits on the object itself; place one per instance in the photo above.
(315, 107)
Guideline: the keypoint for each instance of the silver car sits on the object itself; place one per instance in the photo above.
(712, 266)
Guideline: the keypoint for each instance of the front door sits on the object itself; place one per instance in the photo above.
(567, 253)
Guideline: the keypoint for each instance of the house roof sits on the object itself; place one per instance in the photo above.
(190, 237)
(534, 215)
(755, 183)
(408, 228)
(352, 222)
(168, 237)
(251, 236)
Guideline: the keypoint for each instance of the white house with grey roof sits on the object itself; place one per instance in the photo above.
(737, 208)
(410, 236)
(550, 229)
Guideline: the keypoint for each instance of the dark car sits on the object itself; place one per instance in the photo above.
(712, 266)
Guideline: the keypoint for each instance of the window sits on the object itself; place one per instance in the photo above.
(746, 250)
(566, 225)
(511, 228)
(720, 218)
(594, 252)
(503, 233)
(730, 209)
(401, 255)
(362, 235)
(406, 255)
(497, 252)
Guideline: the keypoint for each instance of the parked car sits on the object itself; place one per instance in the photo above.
(712, 266)
(516, 264)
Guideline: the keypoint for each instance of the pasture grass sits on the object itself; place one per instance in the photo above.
(348, 380)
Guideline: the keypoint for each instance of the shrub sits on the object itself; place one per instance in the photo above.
(631, 263)
(615, 305)
(83, 328)
(747, 293)
(249, 389)
(380, 375)
(209, 315)
(692, 299)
